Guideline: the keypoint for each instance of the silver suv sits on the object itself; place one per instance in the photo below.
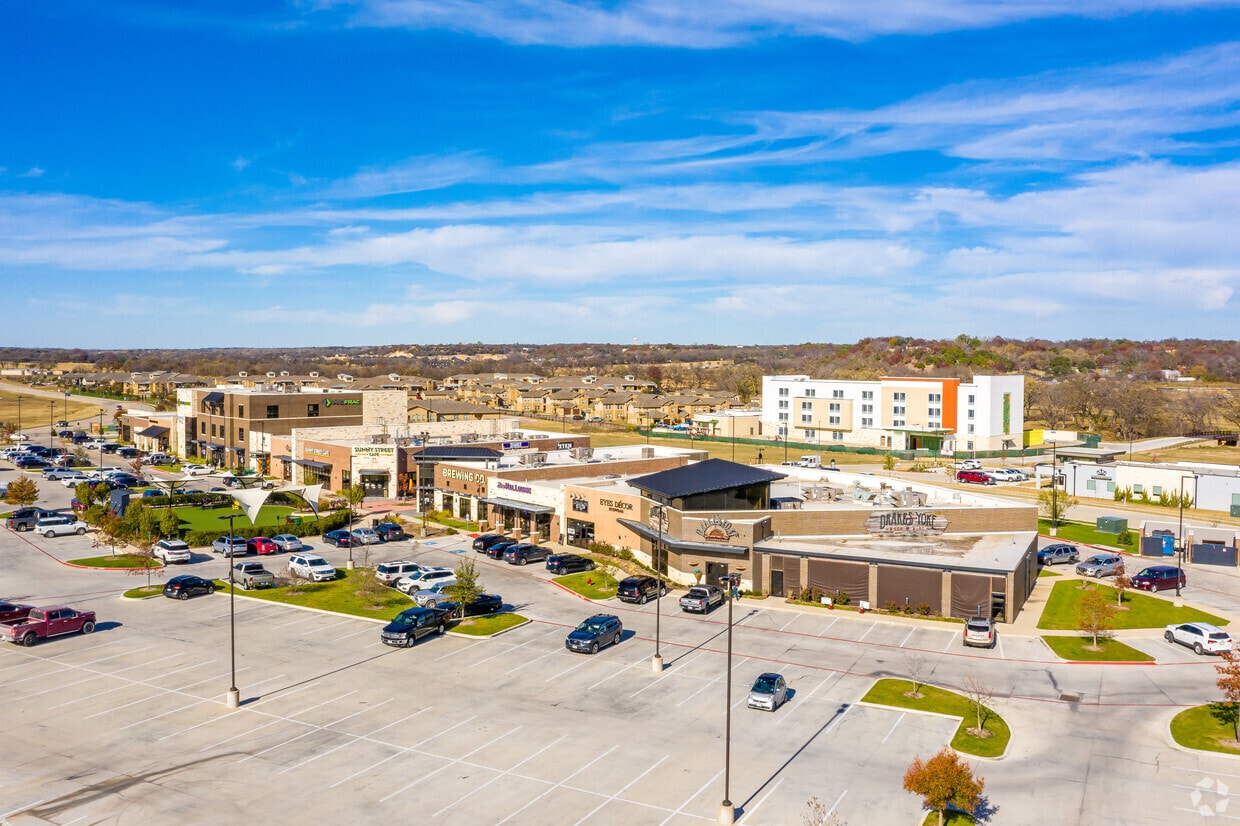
(1100, 565)
(389, 572)
(980, 632)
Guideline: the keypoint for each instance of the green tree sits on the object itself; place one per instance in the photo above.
(944, 780)
(1054, 505)
(22, 491)
(169, 523)
(1095, 614)
(466, 588)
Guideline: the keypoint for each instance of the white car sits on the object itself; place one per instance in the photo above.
(1008, 474)
(309, 566)
(59, 526)
(287, 542)
(421, 580)
(967, 464)
(72, 479)
(171, 551)
(1202, 637)
(197, 470)
(18, 437)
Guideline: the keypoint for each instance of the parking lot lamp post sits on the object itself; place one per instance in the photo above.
(66, 404)
(656, 664)
(727, 812)
(1179, 553)
(234, 693)
(1054, 488)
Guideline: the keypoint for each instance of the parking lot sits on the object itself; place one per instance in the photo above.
(129, 724)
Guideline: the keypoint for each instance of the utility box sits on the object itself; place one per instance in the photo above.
(1112, 524)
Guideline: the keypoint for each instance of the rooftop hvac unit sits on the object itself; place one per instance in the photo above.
(533, 458)
(581, 454)
(466, 438)
(511, 435)
(405, 441)
(379, 438)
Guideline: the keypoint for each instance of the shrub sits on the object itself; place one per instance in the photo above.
(1125, 537)
(841, 598)
(893, 607)
(923, 608)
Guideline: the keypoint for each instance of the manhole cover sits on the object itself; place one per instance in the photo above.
(1070, 698)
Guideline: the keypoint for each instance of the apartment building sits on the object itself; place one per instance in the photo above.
(897, 413)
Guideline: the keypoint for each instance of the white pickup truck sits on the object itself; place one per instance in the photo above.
(814, 461)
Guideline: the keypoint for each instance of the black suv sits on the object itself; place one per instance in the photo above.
(390, 532)
(599, 631)
(525, 552)
(496, 551)
(484, 542)
(640, 589)
(568, 564)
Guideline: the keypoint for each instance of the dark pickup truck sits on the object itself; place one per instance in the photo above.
(412, 624)
(482, 605)
(47, 622)
(24, 519)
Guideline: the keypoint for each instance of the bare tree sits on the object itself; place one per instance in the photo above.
(917, 666)
(981, 696)
(817, 814)
(1196, 409)
(1051, 400)
(1085, 401)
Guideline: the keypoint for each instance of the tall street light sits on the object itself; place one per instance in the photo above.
(656, 664)
(1179, 554)
(101, 439)
(727, 812)
(234, 693)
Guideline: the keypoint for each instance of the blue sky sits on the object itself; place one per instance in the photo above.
(351, 172)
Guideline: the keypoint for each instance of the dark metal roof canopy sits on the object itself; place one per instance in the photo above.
(703, 477)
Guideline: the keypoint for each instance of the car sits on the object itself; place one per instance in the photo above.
(974, 477)
(599, 631)
(55, 473)
(14, 611)
(640, 589)
(42, 623)
(967, 464)
(367, 536)
(32, 463)
(341, 539)
(390, 532)
(594, 419)
(185, 586)
(1058, 553)
(309, 566)
(1008, 474)
(71, 478)
(1202, 637)
(1100, 565)
(128, 452)
(230, 546)
(481, 605)
(287, 542)
(487, 540)
(390, 572)
(433, 596)
(59, 525)
(980, 632)
(261, 545)
(158, 458)
(497, 550)
(62, 423)
(421, 580)
(560, 564)
(410, 625)
(24, 519)
(18, 437)
(197, 470)
(250, 574)
(524, 553)
(1158, 578)
(126, 480)
(769, 692)
(172, 551)
(77, 505)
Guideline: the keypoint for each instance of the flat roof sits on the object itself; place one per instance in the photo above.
(987, 552)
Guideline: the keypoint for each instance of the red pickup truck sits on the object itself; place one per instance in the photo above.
(47, 622)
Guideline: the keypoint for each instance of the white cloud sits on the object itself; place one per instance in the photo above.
(32, 172)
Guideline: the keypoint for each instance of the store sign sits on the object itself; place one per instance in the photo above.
(1103, 473)
(464, 475)
(514, 488)
(317, 451)
(373, 450)
(514, 445)
(330, 402)
(618, 505)
(564, 446)
(906, 523)
(716, 529)
(581, 505)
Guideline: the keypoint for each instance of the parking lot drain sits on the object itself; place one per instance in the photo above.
(1069, 698)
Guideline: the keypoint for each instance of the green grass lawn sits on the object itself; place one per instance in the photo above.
(343, 596)
(1199, 728)
(1144, 611)
(144, 591)
(890, 692)
(951, 818)
(1047, 573)
(1086, 534)
(196, 519)
(1074, 648)
(488, 625)
(603, 587)
(118, 561)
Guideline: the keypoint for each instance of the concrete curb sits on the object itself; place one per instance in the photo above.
(244, 595)
(1171, 742)
(1006, 749)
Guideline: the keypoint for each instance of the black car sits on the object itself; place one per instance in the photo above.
(390, 532)
(599, 631)
(128, 452)
(483, 604)
(640, 589)
(496, 551)
(341, 539)
(32, 463)
(484, 542)
(185, 586)
(412, 624)
(568, 564)
(525, 552)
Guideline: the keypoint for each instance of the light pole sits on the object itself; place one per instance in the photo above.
(66, 404)
(1179, 554)
(421, 494)
(656, 664)
(727, 812)
(234, 693)
(1054, 488)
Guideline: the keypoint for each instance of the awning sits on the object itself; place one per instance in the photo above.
(153, 432)
(213, 398)
(236, 449)
(646, 532)
(312, 464)
(281, 457)
(513, 504)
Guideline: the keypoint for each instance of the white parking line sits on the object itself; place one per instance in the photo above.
(951, 641)
(621, 790)
(209, 679)
(531, 662)
(867, 632)
(190, 705)
(476, 788)
(512, 648)
(428, 776)
(692, 797)
(892, 730)
(801, 700)
(665, 675)
(907, 636)
(642, 661)
(999, 643)
(550, 789)
(500, 774)
(63, 686)
(325, 627)
(824, 631)
(288, 718)
(460, 650)
(355, 738)
(368, 629)
(750, 810)
(118, 708)
(402, 750)
(712, 682)
(315, 729)
(795, 617)
(584, 661)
